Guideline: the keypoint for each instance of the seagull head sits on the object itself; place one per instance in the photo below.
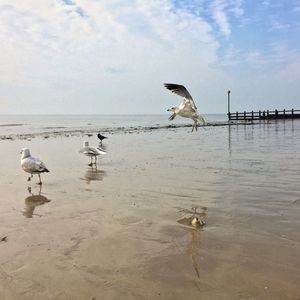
(171, 109)
(25, 152)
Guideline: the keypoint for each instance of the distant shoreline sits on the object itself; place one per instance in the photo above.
(114, 130)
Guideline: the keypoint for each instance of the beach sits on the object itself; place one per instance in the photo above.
(122, 230)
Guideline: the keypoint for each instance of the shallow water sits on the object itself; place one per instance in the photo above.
(121, 230)
(11, 125)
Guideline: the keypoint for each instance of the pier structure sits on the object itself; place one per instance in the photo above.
(261, 114)
(264, 114)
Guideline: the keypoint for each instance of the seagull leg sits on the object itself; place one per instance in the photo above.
(193, 127)
(90, 164)
(40, 180)
(29, 178)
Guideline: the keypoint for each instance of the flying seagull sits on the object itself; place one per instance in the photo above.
(32, 165)
(91, 151)
(187, 107)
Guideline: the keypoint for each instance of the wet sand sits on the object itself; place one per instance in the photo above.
(122, 231)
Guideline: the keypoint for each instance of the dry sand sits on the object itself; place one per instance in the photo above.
(123, 231)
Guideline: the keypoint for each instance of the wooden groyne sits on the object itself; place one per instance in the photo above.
(264, 115)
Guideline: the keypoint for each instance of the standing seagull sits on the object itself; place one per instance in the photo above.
(32, 165)
(91, 151)
(101, 137)
(187, 107)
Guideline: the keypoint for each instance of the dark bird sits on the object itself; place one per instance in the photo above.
(101, 137)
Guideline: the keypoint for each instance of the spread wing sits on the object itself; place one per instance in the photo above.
(180, 90)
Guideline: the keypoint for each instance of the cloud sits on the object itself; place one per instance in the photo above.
(106, 54)
(222, 11)
(296, 7)
(276, 25)
(220, 17)
(112, 56)
(264, 79)
(265, 3)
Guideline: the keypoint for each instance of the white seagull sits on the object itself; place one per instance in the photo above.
(187, 107)
(91, 151)
(32, 165)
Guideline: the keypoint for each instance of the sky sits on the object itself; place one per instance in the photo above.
(113, 56)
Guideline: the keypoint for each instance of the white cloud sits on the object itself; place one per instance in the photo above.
(223, 10)
(112, 56)
(276, 25)
(220, 17)
(264, 79)
(106, 55)
(265, 3)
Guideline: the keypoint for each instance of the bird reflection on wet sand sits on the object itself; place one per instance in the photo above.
(32, 201)
(93, 174)
(195, 228)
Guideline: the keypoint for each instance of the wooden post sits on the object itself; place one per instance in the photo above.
(244, 115)
(276, 113)
(284, 113)
(292, 113)
(228, 104)
(268, 114)
(259, 114)
(252, 114)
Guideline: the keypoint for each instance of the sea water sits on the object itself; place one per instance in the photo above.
(35, 124)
